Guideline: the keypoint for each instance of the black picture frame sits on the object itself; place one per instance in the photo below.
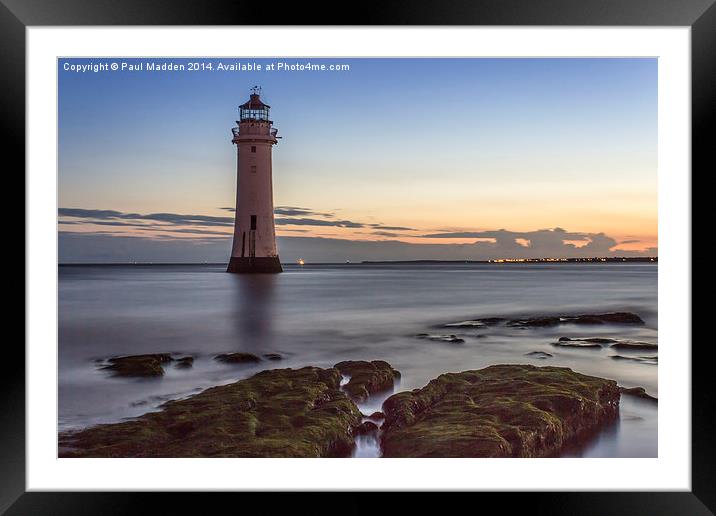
(17, 15)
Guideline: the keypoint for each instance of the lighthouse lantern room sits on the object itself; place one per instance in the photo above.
(254, 247)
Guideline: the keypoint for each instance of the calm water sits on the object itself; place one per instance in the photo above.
(319, 315)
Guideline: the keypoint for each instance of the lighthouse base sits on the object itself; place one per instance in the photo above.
(269, 264)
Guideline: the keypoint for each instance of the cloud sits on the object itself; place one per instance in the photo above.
(391, 228)
(542, 242)
(290, 216)
(317, 222)
(103, 248)
(168, 218)
(200, 231)
(294, 211)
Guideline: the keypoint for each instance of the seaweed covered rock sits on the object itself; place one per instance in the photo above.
(366, 377)
(237, 358)
(148, 365)
(499, 411)
(275, 413)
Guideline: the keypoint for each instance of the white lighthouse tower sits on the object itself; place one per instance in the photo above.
(254, 248)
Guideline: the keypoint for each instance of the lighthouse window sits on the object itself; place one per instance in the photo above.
(253, 148)
(253, 222)
(253, 169)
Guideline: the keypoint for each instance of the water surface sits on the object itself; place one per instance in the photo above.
(322, 314)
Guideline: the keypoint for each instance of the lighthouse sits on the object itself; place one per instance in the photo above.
(254, 248)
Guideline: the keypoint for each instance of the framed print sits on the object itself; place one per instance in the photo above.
(439, 250)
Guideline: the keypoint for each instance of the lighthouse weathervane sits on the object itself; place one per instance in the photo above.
(254, 248)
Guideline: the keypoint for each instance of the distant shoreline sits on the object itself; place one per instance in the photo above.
(508, 261)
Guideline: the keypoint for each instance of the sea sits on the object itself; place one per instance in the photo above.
(320, 314)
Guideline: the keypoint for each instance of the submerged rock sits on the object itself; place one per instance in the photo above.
(499, 411)
(441, 338)
(184, 362)
(554, 320)
(653, 359)
(272, 356)
(535, 322)
(577, 344)
(596, 342)
(275, 413)
(636, 346)
(609, 317)
(538, 354)
(237, 358)
(367, 378)
(638, 392)
(148, 365)
(466, 324)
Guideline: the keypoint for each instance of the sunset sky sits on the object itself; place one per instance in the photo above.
(539, 156)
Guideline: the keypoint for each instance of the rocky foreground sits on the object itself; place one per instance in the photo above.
(275, 413)
(499, 411)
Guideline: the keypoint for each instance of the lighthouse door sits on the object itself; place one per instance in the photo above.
(252, 238)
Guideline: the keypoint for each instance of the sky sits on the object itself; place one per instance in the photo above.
(388, 159)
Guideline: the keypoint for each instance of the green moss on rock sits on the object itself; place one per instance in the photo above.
(499, 411)
(366, 377)
(275, 413)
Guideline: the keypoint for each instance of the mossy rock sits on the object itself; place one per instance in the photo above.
(149, 365)
(275, 413)
(499, 411)
(237, 358)
(367, 378)
(367, 427)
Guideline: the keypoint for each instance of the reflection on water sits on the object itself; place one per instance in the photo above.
(320, 315)
(627, 437)
(253, 304)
